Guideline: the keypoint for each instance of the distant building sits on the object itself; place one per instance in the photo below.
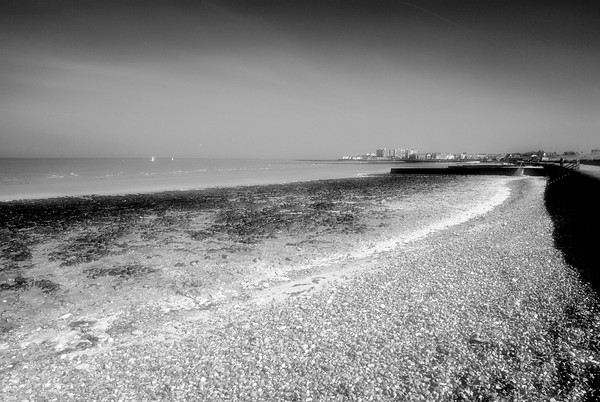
(441, 156)
(394, 153)
(380, 153)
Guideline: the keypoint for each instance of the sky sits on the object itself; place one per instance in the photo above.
(297, 79)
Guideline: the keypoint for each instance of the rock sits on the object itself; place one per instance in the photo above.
(83, 366)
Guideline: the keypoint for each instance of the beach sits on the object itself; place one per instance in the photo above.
(368, 288)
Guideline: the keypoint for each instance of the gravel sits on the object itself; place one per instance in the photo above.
(487, 310)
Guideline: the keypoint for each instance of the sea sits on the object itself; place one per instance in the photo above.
(50, 178)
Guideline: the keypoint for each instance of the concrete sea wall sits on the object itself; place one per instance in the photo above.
(473, 170)
(572, 200)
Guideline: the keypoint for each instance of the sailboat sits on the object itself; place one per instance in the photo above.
(152, 159)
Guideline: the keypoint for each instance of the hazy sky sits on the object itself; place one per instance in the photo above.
(299, 79)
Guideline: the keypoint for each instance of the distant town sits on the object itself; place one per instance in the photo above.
(412, 155)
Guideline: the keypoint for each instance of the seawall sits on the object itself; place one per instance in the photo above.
(496, 170)
(572, 200)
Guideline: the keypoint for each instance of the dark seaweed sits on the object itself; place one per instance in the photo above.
(95, 225)
(122, 271)
(88, 247)
(23, 283)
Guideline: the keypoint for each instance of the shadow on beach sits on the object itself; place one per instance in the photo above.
(572, 202)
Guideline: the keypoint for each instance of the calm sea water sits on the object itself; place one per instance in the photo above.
(45, 178)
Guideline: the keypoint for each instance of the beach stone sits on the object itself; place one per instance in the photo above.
(434, 319)
(83, 366)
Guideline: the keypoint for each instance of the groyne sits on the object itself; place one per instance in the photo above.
(571, 198)
(475, 169)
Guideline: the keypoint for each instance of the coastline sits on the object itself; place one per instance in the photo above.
(57, 178)
(483, 307)
(216, 245)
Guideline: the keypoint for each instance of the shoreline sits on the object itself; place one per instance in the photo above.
(83, 178)
(145, 191)
(203, 248)
(428, 319)
(245, 215)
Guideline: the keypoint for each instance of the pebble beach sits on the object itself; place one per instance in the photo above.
(471, 301)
